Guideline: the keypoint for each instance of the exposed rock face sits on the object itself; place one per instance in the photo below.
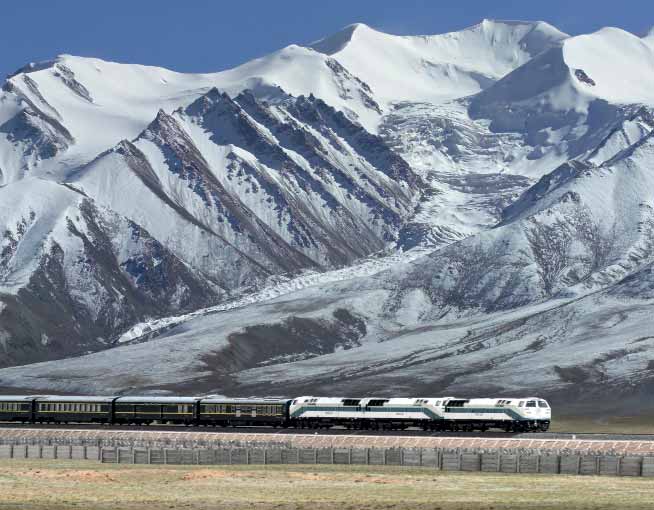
(208, 201)
(96, 274)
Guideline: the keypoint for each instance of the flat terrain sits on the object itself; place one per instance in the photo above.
(643, 424)
(57, 484)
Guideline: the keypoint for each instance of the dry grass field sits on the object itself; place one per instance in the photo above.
(58, 485)
(612, 425)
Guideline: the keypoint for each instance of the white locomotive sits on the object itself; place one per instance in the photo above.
(435, 413)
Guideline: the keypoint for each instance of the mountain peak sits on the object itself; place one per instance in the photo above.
(336, 42)
(649, 36)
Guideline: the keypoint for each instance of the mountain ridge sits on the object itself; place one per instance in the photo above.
(430, 203)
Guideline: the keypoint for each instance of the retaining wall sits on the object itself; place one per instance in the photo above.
(186, 438)
(40, 451)
(419, 457)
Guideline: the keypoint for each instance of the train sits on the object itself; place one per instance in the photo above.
(528, 414)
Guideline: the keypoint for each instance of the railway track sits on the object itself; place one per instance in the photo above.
(587, 436)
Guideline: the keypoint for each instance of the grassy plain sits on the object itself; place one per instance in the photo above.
(60, 484)
(611, 425)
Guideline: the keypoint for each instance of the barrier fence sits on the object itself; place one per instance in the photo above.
(498, 462)
(444, 460)
(40, 451)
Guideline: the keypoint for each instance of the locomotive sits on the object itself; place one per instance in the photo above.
(370, 413)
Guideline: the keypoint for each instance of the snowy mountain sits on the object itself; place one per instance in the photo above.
(431, 214)
(436, 68)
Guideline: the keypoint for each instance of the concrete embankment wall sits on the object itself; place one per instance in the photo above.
(444, 460)
(189, 438)
(506, 455)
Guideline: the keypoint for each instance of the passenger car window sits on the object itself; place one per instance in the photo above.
(531, 403)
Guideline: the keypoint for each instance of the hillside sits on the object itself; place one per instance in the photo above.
(407, 214)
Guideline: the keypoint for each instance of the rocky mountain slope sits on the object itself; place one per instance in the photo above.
(500, 175)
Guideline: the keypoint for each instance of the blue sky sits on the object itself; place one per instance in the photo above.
(203, 35)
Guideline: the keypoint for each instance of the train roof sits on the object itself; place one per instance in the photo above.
(74, 398)
(248, 400)
(157, 400)
(16, 398)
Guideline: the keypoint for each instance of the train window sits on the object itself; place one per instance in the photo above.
(351, 402)
(531, 403)
(377, 402)
(542, 403)
(521, 404)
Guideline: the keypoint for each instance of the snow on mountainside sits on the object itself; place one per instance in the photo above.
(239, 188)
(439, 67)
(503, 171)
(556, 300)
(87, 104)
